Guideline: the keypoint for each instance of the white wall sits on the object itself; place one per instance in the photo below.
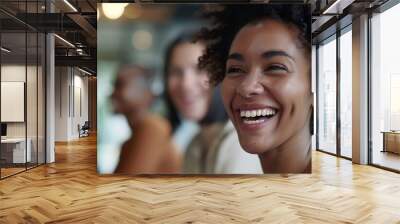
(12, 73)
(80, 100)
(16, 73)
(33, 126)
(70, 83)
(61, 114)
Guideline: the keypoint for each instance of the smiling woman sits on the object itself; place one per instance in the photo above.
(263, 60)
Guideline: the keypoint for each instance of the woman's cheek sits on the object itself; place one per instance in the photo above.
(290, 88)
(205, 80)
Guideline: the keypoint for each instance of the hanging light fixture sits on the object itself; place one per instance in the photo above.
(84, 71)
(64, 40)
(5, 50)
(70, 5)
(113, 10)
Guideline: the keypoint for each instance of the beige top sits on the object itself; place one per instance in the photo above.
(216, 150)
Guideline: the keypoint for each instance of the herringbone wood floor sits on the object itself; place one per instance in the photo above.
(70, 191)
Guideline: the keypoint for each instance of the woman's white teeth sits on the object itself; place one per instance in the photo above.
(255, 113)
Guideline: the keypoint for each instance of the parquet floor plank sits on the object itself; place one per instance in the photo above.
(70, 191)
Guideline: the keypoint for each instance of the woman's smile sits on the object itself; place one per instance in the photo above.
(253, 117)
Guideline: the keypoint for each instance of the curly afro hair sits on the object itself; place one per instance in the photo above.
(227, 20)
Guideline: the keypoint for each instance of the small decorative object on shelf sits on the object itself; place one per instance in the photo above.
(391, 141)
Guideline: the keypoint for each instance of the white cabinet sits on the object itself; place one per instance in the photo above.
(17, 145)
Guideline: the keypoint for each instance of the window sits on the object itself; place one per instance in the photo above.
(346, 92)
(327, 96)
(385, 89)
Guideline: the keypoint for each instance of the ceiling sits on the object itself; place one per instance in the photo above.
(73, 20)
(76, 22)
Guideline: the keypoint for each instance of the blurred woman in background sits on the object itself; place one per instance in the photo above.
(187, 89)
(150, 148)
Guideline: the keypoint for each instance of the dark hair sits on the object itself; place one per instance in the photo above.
(215, 112)
(226, 23)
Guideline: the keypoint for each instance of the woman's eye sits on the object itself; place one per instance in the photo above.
(276, 68)
(234, 71)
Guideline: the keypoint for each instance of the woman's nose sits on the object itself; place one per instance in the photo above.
(250, 85)
(188, 80)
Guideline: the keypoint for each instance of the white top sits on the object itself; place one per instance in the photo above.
(232, 159)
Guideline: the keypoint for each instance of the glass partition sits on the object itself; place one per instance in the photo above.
(327, 96)
(22, 78)
(41, 91)
(31, 99)
(14, 151)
